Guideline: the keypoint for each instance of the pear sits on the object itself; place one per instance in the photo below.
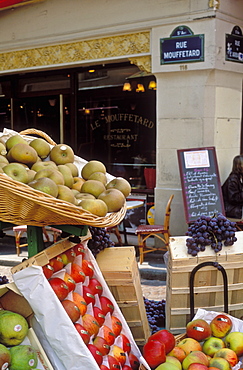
(67, 175)
(23, 357)
(23, 153)
(95, 206)
(16, 171)
(3, 150)
(39, 165)
(61, 154)
(65, 193)
(53, 174)
(3, 159)
(93, 187)
(13, 328)
(13, 140)
(91, 167)
(73, 168)
(41, 146)
(46, 185)
(99, 176)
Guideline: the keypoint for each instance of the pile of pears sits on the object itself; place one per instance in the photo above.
(13, 354)
(51, 170)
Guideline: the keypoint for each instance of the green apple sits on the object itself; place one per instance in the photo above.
(212, 345)
(17, 172)
(39, 165)
(113, 198)
(23, 153)
(234, 341)
(46, 185)
(93, 187)
(121, 184)
(91, 167)
(174, 361)
(73, 168)
(23, 357)
(13, 328)
(219, 363)
(41, 146)
(195, 357)
(95, 206)
(61, 154)
(65, 193)
(53, 174)
(67, 175)
(13, 140)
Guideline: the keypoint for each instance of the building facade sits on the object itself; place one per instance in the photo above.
(191, 49)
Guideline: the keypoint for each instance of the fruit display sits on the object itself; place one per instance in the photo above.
(93, 314)
(211, 343)
(216, 231)
(14, 354)
(55, 170)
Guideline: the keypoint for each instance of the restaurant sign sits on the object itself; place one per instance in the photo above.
(234, 45)
(182, 46)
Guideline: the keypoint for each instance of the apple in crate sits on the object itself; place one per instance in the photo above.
(154, 353)
(134, 362)
(56, 263)
(178, 353)
(88, 296)
(68, 256)
(116, 325)
(69, 281)
(229, 355)
(87, 268)
(104, 367)
(71, 309)
(80, 302)
(95, 353)
(195, 357)
(234, 341)
(77, 273)
(212, 345)
(90, 324)
(119, 354)
(113, 363)
(166, 337)
(198, 329)
(126, 344)
(95, 287)
(108, 335)
(79, 249)
(219, 363)
(126, 367)
(189, 345)
(99, 315)
(82, 332)
(60, 287)
(101, 344)
(48, 271)
(221, 325)
(106, 305)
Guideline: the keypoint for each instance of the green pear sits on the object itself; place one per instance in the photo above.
(113, 198)
(99, 176)
(73, 168)
(23, 357)
(13, 140)
(31, 174)
(23, 153)
(46, 185)
(41, 146)
(93, 187)
(84, 196)
(65, 193)
(13, 328)
(5, 357)
(3, 159)
(95, 206)
(53, 174)
(91, 167)
(39, 165)
(67, 175)
(16, 171)
(61, 154)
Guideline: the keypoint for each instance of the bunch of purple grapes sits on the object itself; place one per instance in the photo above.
(100, 240)
(155, 311)
(216, 231)
(4, 280)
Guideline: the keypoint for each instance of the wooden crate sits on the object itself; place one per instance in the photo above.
(120, 270)
(208, 282)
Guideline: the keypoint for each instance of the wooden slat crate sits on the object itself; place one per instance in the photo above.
(208, 282)
(120, 270)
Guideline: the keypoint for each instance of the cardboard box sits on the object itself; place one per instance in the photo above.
(12, 300)
(208, 283)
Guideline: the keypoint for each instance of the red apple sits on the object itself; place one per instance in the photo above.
(106, 305)
(95, 287)
(77, 273)
(60, 288)
(212, 345)
(166, 337)
(221, 325)
(198, 329)
(113, 363)
(108, 335)
(56, 263)
(48, 271)
(116, 325)
(99, 315)
(103, 367)
(72, 309)
(154, 353)
(88, 296)
(234, 341)
(229, 355)
(189, 345)
(82, 332)
(95, 353)
(178, 353)
(79, 249)
(196, 366)
(119, 354)
(80, 302)
(69, 282)
(126, 367)
(195, 356)
(87, 268)
(90, 324)
(134, 362)
(68, 256)
(126, 345)
(102, 346)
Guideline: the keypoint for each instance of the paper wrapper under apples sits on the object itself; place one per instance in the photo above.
(209, 315)
(59, 338)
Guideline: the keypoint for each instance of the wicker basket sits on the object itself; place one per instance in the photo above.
(22, 205)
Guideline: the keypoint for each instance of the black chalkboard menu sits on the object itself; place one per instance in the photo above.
(201, 188)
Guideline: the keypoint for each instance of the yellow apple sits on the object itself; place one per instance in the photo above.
(121, 184)
(16, 171)
(95, 206)
(91, 167)
(61, 154)
(93, 187)
(113, 198)
(46, 185)
(41, 146)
